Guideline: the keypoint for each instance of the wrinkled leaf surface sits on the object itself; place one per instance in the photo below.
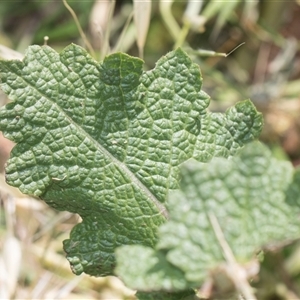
(105, 140)
(254, 198)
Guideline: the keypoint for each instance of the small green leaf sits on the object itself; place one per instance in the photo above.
(251, 198)
(105, 140)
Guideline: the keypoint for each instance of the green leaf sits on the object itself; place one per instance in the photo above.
(152, 272)
(105, 140)
(255, 199)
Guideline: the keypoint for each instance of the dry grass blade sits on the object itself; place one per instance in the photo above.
(166, 13)
(82, 34)
(12, 256)
(105, 49)
(142, 13)
(124, 40)
(191, 20)
(7, 53)
(101, 18)
(64, 291)
(222, 11)
(11, 250)
(192, 10)
(32, 265)
(236, 273)
(4, 294)
(98, 22)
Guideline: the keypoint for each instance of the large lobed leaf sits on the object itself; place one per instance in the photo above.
(105, 140)
(254, 198)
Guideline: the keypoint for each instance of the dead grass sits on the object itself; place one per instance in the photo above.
(32, 262)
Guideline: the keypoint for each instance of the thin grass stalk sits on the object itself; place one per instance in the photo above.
(82, 34)
(142, 13)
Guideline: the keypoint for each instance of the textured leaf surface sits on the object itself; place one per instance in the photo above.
(105, 140)
(255, 200)
(150, 272)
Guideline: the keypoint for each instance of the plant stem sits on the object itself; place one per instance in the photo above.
(237, 273)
